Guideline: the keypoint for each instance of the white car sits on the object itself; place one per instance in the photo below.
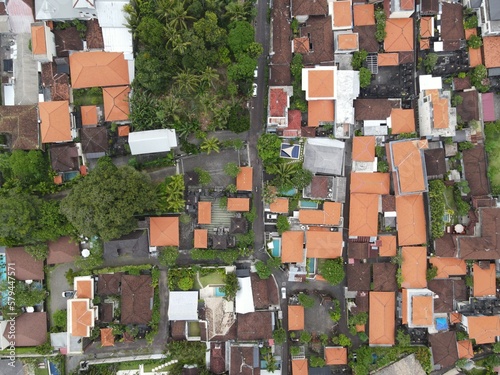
(254, 90)
(272, 216)
(283, 293)
(255, 73)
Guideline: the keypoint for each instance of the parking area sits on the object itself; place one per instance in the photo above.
(57, 285)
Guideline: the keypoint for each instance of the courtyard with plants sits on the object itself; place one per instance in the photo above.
(492, 146)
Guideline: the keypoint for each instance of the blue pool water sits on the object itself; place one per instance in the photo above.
(308, 204)
(3, 276)
(311, 265)
(289, 193)
(441, 324)
(276, 250)
(53, 369)
(219, 293)
(70, 175)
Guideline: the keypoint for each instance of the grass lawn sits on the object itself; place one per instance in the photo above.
(449, 202)
(41, 371)
(214, 278)
(492, 146)
(91, 96)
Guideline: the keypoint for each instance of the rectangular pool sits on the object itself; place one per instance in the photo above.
(219, 292)
(276, 249)
(308, 204)
(311, 265)
(289, 193)
(441, 323)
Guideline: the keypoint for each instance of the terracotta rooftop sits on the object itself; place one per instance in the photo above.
(59, 87)
(363, 148)
(244, 180)
(449, 267)
(320, 84)
(382, 318)
(329, 215)
(426, 27)
(89, 115)
(38, 44)
(335, 356)
(164, 231)
(450, 291)
(407, 4)
(280, 205)
(484, 281)
(475, 55)
(440, 111)
(238, 204)
(320, 111)
(452, 24)
(388, 246)
(363, 214)
(476, 172)
(299, 367)
(62, 251)
(455, 317)
(342, 14)
(116, 103)
(107, 337)
(358, 276)
(294, 119)
(93, 35)
(94, 139)
(367, 39)
(406, 160)
(123, 131)
(435, 163)
(491, 48)
(295, 317)
(200, 238)
(370, 183)
(98, 69)
(292, 247)
(414, 267)
(388, 59)
(136, 299)
(64, 157)
(399, 35)
(374, 109)
(27, 268)
(422, 310)
(301, 45)
(84, 287)
(444, 348)
(384, 277)
(82, 317)
(308, 8)
(465, 349)
(204, 212)
(55, 121)
(484, 329)
(347, 42)
(411, 223)
(402, 120)
(255, 326)
(31, 329)
(364, 14)
(324, 244)
(278, 102)
(425, 44)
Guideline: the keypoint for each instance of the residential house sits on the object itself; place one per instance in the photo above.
(201, 238)
(256, 325)
(280, 46)
(204, 212)
(326, 187)
(217, 358)
(328, 216)
(406, 161)
(483, 245)
(244, 296)
(468, 109)
(324, 244)
(107, 337)
(244, 359)
(67, 41)
(132, 245)
(183, 306)
(363, 154)
(299, 366)
(30, 329)
(387, 247)
(435, 163)
(484, 277)
(399, 35)
(152, 141)
(341, 12)
(292, 247)
(62, 251)
(402, 8)
(346, 42)
(358, 277)
(370, 183)
(27, 268)
(363, 213)
(109, 284)
(136, 299)
(488, 12)
(417, 308)
(465, 349)
(277, 106)
(374, 114)
(401, 121)
(244, 179)
(382, 319)
(413, 267)
(164, 231)
(90, 115)
(447, 267)
(20, 123)
(51, 10)
(43, 43)
(324, 155)
(94, 142)
(81, 312)
(384, 277)
(55, 80)
(116, 103)
(444, 349)
(55, 122)
(279, 205)
(483, 329)
(238, 204)
(295, 317)
(64, 157)
(476, 172)
(335, 355)
(450, 292)
(364, 26)
(451, 28)
(264, 292)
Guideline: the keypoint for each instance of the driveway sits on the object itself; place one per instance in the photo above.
(57, 285)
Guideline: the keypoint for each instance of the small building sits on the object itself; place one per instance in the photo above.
(324, 244)
(244, 180)
(132, 245)
(55, 122)
(94, 142)
(411, 220)
(152, 141)
(183, 306)
(328, 216)
(292, 247)
(30, 330)
(444, 348)
(325, 156)
(483, 329)
(204, 212)
(136, 301)
(414, 267)
(107, 337)
(238, 204)
(116, 103)
(295, 317)
(43, 45)
(164, 231)
(201, 238)
(484, 280)
(62, 251)
(98, 69)
(27, 267)
(382, 318)
(417, 308)
(335, 355)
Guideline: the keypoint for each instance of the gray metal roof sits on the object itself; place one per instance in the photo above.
(494, 6)
(326, 156)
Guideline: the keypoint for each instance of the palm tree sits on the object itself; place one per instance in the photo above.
(210, 144)
(176, 41)
(284, 173)
(236, 11)
(171, 106)
(132, 17)
(209, 76)
(178, 16)
(187, 81)
(186, 128)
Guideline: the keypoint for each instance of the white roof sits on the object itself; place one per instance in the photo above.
(151, 141)
(110, 13)
(117, 39)
(183, 306)
(429, 82)
(8, 95)
(347, 88)
(244, 296)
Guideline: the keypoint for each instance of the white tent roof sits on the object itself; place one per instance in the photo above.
(244, 296)
(183, 306)
(151, 141)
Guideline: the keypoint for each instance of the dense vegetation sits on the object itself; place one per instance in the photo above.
(437, 207)
(492, 146)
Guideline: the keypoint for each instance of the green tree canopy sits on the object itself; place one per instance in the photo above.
(333, 271)
(26, 169)
(365, 77)
(106, 201)
(241, 35)
(269, 146)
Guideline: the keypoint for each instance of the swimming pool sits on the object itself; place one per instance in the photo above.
(289, 193)
(311, 265)
(308, 204)
(219, 292)
(3, 277)
(53, 370)
(441, 323)
(276, 249)
(70, 175)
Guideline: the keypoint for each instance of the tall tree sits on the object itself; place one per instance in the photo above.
(210, 144)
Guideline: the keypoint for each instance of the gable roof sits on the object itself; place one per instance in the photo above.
(411, 222)
(388, 246)
(382, 318)
(449, 267)
(89, 115)
(445, 246)
(278, 96)
(136, 299)
(98, 69)
(465, 349)
(449, 291)
(414, 267)
(94, 140)
(358, 276)
(164, 231)
(422, 310)
(201, 238)
(452, 24)
(363, 214)
(364, 14)
(62, 250)
(435, 164)
(116, 103)
(27, 267)
(21, 123)
(444, 348)
(384, 277)
(484, 280)
(406, 160)
(292, 247)
(329, 215)
(107, 337)
(295, 317)
(204, 212)
(476, 172)
(426, 27)
(341, 14)
(388, 59)
(468, 110)
(132, 245)
(279, 205)
(299, 367)
(38, 44)
(238, 204)
(309, 8)
(484, 329)
(363, 148)
(55, 121)
(319, 111)
(244, 180)
(242, 360)
(399, 35)
(81, 317)
(335, 355)
(324, 244)
(370, 183)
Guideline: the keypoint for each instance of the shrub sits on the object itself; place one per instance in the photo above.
(294, 350)
(456, 100)
(358, 59)
(365, 77)
(363, 336)
(402, 338)
(430, 62)
(263, 270)
(496, 347)
(431, 273)
(279, 336)
(306, 301)
(39, 251)
(185, 283)
(305, 337)
(470, 22)
(316, 361)
(437, 207)
(232, 169)
(168, 256)
(333, 271)
(203, 176)
(282, 224)
(474, 42)
(479, 78)
(465, 145)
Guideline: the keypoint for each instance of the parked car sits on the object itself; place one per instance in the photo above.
(272, 216)
(68, 294)
(255, 73)
(283, 293)
(254, 90)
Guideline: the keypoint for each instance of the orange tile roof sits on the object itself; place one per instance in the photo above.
(244, 180)
(484, 329)
(348, 41)
(449, 267)
(82, 317)
(399, 35)
(411, 223)
(329, 215)
(320, 83)
(299, 367)
(280, 205)
(388, 59)
(402, 120)
(370, 183)
(89, 115)
(382, 318)
(320, 111)
(98, 69)
(204, 212)
(455, 318)
(116, 103)
(364, 14)
(422, 310)
(388, 247)
(465, 349)
(123, 130)
(360, 327)
(439, 109)
(407, 4)
(55, 121)
(407, 160)
(404, 306)
(295, 317)
(470, 32)
(425, 44)
(324, 245)
(107, 337)
(38, 44)
(164, 231)
(84, 289)
(301, 45)
(342, 13)
(484, 281)
(58, 180)
(414, 267)
(475, 57)
(491, 48)
(200, 238)
(238, 204)
(363, 214)
(335, 355)
(426, 27)
(363, 148)
(292, 247)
